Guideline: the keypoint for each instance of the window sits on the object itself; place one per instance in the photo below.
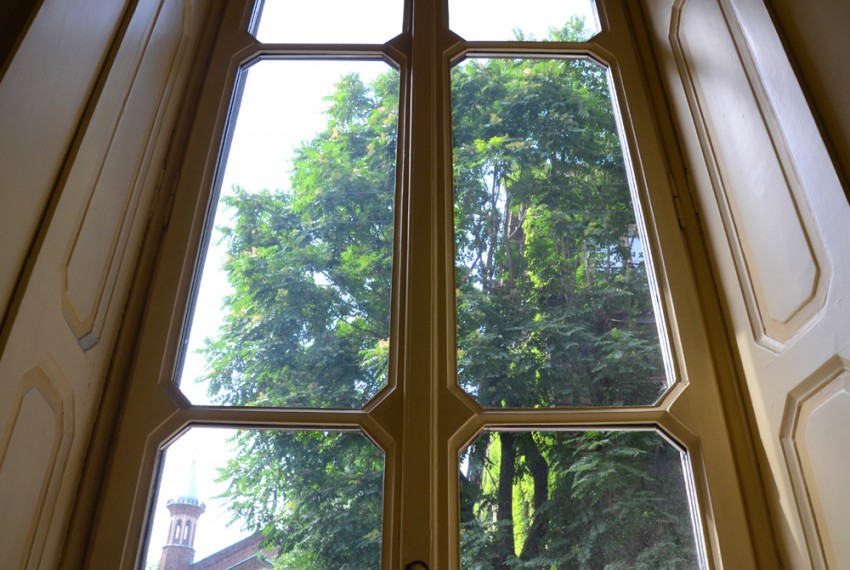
(474, 396)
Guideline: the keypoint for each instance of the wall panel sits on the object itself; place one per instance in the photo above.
(32, 456)
(778, 225)
(43, 95)
(113, 184)
(759, 193)
(74, 301)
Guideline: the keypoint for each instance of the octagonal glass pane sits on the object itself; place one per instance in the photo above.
(328, 21)
(554, 304)
(288, 499)
(293, 303)
(530, 20)
(569, 499)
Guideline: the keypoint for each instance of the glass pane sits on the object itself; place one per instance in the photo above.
(591, 500)
(293, 307)
(329, 21)
(296, 499)
(553, 303)
(529, 20)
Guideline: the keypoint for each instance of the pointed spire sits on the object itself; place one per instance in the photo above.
(192, 489)
(189, 495)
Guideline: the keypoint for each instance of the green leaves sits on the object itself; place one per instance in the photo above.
(307, 325)
(548, 264)
(315, 495)
(553, 310)
(311, 268)
(583, 500)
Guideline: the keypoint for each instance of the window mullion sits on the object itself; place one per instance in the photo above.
(419, 367)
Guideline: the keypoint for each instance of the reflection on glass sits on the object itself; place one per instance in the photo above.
(553, 303)
(591, 500)
(329, 21)
(288, 499)
(293, 306)
(529, 20)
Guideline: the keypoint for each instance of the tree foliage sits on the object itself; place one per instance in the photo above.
(553, 309)
(549, 274)
(308, 321)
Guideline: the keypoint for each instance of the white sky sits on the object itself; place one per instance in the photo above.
(282, 105)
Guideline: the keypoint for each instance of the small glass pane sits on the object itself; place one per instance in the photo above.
(612, 500)
(293, 307)
(554, 307)
(328, 21)
(529, 20)
(294, 499)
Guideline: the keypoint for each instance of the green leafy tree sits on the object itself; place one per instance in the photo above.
(308, 321)
(307, 325)
(553, 309)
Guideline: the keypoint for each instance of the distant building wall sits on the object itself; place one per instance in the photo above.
(247, 554)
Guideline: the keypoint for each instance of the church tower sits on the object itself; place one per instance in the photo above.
(179, 552)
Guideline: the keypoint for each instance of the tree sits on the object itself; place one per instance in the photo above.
(308, 322)
(553, 309)
(308, 325)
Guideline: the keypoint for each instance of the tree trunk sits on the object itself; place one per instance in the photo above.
(539, 468)
(505, 502)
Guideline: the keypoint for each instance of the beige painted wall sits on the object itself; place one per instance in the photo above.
(817, 35)
(43, 96)
(87, 108)
(763, 168)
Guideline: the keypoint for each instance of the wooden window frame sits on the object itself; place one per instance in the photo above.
(422, 408)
